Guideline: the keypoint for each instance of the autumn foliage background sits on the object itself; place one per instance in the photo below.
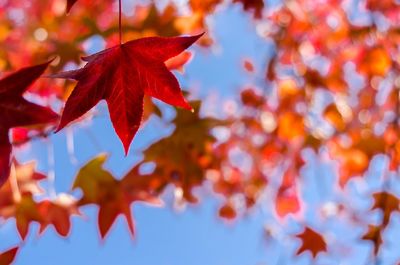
(297, 131)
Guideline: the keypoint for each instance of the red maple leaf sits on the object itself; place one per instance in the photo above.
(122, 75)
(16, 111)
(311, 241)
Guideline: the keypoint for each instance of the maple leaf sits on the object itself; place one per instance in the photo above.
(22, 207)
(57, 213)
(159, 22)
(7, 257)
(26, 212)
(113, 196)
(183, 157)
(311, 241)
(122, 75)
(68, 52)
(374, 234)
(27, 181)
(388, 203)
(17, 112)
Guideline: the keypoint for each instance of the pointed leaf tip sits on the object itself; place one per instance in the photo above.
(195, 38)
(126, 148)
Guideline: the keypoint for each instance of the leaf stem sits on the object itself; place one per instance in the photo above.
(120, 21)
